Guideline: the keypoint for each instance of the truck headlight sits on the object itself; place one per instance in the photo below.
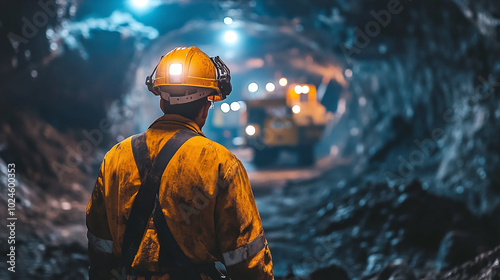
(250, 130)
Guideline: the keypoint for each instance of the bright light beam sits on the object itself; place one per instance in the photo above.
(283, 82)
(139, 4)
(224, 107)
(235, 106)
(250, 130)
(230, 37)
(253, 87)
(296, 109)
(270, 87)
(228, 20)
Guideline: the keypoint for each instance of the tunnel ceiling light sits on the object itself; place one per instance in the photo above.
(305, 89)
(250, 130)
(270, 87)
(362, 101)
(253, 87)
(348, 73)
(235, 106)
(228, 20)
(283, 82)
(230, 37)
(224, 107)
(298, 89)
(139, 4)
(296, 109)
(54, 46)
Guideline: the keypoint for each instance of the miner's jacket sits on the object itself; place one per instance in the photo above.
(206, 199)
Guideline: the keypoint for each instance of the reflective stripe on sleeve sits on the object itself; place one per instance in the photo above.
(246, 251)
(100, 244)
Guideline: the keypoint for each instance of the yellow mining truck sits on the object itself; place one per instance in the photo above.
(293, 122)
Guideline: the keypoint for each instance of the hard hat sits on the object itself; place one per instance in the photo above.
(188, 74)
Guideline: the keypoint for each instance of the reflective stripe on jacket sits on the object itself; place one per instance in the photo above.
(206, 198)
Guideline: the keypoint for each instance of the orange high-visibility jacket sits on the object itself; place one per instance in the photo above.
(206, 198)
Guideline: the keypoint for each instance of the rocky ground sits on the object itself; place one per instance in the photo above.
(50, 234)
(373, 231)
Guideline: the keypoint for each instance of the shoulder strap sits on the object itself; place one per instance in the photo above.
(146, 197)
(141, 155)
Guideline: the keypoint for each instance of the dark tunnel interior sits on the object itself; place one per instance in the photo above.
(379, 124)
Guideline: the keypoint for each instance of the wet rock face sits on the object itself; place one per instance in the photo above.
(459, 247)
(330, 272)
(62, 261)
(426, 219)
(375, 231)
(484, 266)
(395, 271)
(484, 14)
(415, 111)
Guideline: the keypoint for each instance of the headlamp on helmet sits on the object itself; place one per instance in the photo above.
(188, 74)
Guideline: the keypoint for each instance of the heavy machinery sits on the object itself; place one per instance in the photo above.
(292, 122)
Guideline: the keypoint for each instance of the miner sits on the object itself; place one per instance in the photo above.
(168, 203)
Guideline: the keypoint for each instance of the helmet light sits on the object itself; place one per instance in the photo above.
(175, 71)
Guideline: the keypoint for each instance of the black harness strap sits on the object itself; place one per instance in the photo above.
(145, 199)
(146, 203)
(141, 155)
(144, 164)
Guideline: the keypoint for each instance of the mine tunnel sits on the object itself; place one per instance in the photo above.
(369, 130)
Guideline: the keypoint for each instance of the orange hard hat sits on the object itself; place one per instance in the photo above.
(187, 74)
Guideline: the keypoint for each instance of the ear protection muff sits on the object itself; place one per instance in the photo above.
(149, 80)
(223, 77)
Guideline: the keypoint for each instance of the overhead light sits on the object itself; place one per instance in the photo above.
(230, 36)
(283, 82)
(250, 130)
(235, 106)
(305, 89)
(224, 107)
(348, 73)
(140, 4)
(228, 20)
(298, 89)
(253, 87)
(270, 87)
(296, 109)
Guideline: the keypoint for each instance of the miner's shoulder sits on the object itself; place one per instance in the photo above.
(206, 146)
(119, 149)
